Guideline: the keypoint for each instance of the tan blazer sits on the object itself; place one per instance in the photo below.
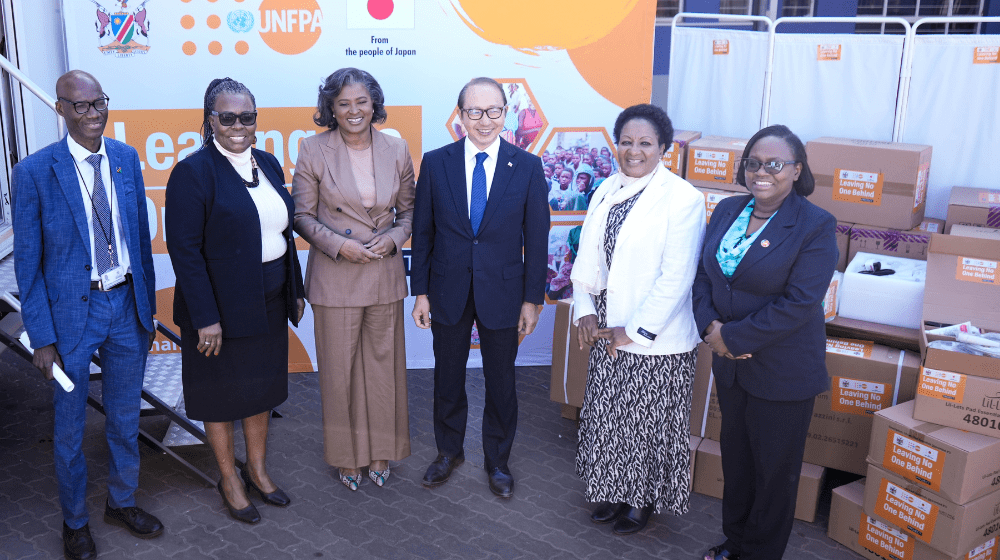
(328, 212)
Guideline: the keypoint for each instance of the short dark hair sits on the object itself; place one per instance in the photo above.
(215, 88)
(332, 87)
(651, 113)
(478, 82)
(805, 184)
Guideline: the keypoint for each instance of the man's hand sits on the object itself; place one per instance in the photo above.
(355, 252)
(422, 312)
(152, 339)
(529, 318)
(587, 331)
(382, 245)
(301, 305)
(44, 358)
(210, 339)
(616, 337)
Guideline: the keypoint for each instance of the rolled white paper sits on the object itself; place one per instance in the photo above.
(57, 372)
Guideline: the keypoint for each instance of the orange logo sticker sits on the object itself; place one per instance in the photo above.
(672, 158)
(913, 460)
(290, 26)
(830, 301)
(992, 197)
(850, 347)
(986, 55)
(860, 187)
(855, 396)
(711, 201)
(710, 165)
(980, 271)
(941, 385)
(985, 551)
(903, 509)
(828, 52)
(884, 540)
(720, 46)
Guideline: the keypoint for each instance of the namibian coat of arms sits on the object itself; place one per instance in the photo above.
(122, 30)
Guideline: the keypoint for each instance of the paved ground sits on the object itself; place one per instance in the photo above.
(546, 518)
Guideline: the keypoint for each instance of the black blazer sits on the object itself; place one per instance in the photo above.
(213, 238)
(507, 260)
(772, 306)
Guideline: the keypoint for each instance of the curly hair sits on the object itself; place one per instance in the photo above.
(332, 87)
(805, 184)
(215, 88)
(650, 113)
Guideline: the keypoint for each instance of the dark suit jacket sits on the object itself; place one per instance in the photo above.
(772, 306)
(52, 242)
(506, 261)
(213, 237)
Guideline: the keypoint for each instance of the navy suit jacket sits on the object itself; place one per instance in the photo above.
(505, 263)
(52, 242)
(772, 306)
(213, 237)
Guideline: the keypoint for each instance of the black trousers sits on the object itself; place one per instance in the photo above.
(451, 403)
(762, 446)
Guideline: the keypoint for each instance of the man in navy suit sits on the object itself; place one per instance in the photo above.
(480, 232)
(85, 274)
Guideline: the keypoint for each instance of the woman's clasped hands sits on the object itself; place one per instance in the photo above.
(713, 338)
(588, 333)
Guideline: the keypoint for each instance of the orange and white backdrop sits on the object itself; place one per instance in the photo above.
(569, 67)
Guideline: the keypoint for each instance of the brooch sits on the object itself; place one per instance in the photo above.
(118, 170)
(765, 243)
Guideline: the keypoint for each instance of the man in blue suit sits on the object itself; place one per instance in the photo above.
(480, 232)
(85, 274)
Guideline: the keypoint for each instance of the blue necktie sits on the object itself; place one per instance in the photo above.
(104, 228)
(478, 205)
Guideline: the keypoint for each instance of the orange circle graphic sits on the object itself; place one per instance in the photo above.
(214, 21)
(189, 48)
(215, 47)
(187, 22)
(290, 26)
(242, 47)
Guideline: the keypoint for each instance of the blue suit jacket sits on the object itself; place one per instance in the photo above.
(506, 261)
(772, 306)
(213, 237)
(52, 242)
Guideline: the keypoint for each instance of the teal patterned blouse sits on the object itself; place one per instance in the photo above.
(735, 243)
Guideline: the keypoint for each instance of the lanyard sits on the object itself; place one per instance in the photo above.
(109, 234)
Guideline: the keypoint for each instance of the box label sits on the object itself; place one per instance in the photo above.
(913, 460)
(941, 385)
(909, 511)
(989, 197)
(986, 55)
(710, 165)
(855, 396)
(711, 201)
(827, 52)
(849, 347)
(929, 227)
(980, 271)
(884, 540)
(985, 551)
(921, 190)
(720, 46)
(859, 187)
(830, 302)
(672, 159)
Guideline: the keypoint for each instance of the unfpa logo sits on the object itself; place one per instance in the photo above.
(290, 26)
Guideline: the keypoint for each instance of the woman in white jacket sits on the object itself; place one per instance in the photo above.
(632, 287)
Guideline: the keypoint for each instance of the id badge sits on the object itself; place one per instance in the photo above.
(112, 278)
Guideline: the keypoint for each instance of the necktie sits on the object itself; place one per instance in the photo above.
(478, 205)
(104, 228)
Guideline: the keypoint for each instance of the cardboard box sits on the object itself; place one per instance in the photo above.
(910, 244)
(843, 244)
(973, 207)
(865, 378)
(569, 363)
(708, 480)
(976, 231)
(701, 389)
(676, 155)
(874, 183)
(959, 401)
(930, 225)
(886, 335)
(958, 465)
(712, 198)
(877, 540)
(713, 161)
(939, 523)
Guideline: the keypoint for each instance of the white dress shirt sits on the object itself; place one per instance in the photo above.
(86, 178)
(489, 165)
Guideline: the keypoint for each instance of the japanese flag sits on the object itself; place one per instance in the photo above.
(380, 14)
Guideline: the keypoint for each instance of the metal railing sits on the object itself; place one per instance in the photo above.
(33, 88)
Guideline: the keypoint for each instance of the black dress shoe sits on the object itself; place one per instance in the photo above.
(632, 520)
(248, 514)
(276, 498)
(719, 552)
(606, 512)
(439, 471)
(78, 544)
(501, 482)
(138, 522)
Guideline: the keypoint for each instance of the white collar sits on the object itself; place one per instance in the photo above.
(471, 150)
(238, 160)
(80, 154)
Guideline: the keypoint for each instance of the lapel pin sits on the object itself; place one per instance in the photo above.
(509, 164)
(118, 170)
(765, 243)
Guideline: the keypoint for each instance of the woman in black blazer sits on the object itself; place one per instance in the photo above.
(229, 236)
(766, 264)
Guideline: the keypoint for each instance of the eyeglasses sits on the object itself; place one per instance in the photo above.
(772, 167)
(492, 112)
(247, 118)
(83, 107)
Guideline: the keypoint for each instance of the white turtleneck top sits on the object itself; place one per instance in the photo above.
(271, 209)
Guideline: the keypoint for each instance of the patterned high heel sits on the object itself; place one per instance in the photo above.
(351, 482)
(379, 477)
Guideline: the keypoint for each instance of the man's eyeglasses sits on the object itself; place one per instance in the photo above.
(83, 107)
(492, 112)
(772, 167)
(227, 118)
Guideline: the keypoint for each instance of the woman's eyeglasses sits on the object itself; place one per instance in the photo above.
(772, 167)
(229, 119)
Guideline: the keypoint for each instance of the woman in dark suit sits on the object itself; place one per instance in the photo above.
(766, 264)
(229, 236)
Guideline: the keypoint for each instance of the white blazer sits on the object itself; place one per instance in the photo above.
(653, 267)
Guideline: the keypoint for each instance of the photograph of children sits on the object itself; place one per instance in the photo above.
(564, 243)
(523, 124)
(576, 161)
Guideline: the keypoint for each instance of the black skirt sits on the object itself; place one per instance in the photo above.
(250, 374)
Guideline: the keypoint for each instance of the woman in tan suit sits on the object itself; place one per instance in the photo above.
(353, 190)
